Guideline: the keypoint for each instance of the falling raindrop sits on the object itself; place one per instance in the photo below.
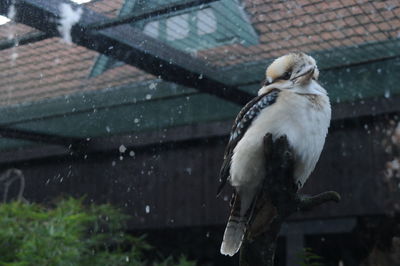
(122, 149)
(153, 86)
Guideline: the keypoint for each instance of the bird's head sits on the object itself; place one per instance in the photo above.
(291, 70)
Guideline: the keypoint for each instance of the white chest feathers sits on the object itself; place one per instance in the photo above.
(303, 118)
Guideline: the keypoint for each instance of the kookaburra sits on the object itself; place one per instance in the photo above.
(291, 103)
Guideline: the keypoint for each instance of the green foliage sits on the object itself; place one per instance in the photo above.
(70, 234)
(309, 258)
(183, 261)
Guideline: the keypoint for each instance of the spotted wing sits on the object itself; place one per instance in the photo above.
(244, 119)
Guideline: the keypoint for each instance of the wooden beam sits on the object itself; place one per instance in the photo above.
(14, 133)
(25, 39)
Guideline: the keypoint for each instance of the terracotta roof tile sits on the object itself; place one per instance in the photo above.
(108, 8)
(12, 30)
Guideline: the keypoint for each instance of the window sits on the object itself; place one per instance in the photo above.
(151, 29)
(206, 21)
(177, 27)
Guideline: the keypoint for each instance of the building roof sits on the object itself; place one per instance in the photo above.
(48, 85)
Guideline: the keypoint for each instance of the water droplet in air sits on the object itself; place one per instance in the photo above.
(122, 149)
(153, 86)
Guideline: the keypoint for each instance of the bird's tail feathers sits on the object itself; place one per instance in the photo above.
(240, 219)
(236, 227)
(233, 235)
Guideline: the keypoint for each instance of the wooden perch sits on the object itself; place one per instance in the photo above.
(277, 200)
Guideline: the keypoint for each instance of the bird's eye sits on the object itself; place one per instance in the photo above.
(286, 75)
(266, 82)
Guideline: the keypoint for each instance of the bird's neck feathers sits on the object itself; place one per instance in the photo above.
(310, 88)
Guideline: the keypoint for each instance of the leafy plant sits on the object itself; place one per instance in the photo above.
(70, 234)
(309, 258)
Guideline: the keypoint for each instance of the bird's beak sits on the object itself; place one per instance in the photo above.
(304, 76)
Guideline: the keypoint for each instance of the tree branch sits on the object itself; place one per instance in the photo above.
(277, 200)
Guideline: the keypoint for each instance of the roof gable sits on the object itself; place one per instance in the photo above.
(191, 30)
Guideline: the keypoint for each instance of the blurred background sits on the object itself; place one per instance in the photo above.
(130, 102)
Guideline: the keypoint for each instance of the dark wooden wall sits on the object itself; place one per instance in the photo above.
(178, 180)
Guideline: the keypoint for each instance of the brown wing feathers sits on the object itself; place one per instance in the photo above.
(243, 120)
